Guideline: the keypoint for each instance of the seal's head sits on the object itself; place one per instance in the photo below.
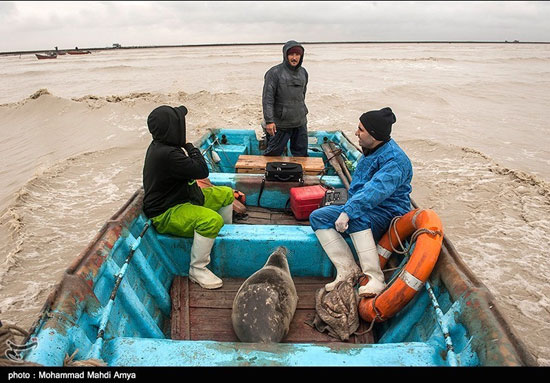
(278, 259)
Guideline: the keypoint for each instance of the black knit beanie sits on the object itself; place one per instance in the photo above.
(378, 123)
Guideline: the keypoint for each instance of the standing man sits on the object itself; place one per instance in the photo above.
(283, 102)
(173, 201)
(379, 190)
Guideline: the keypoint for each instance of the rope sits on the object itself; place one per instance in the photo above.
(107, 310)
(216, 141)
(324, 172)
(9, 349)
(414, 236)
(8, 332)
(335, 152)
(70, 362)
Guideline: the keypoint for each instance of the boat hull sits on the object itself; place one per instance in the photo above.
(139, 331)
(45, 57)
(79, 52)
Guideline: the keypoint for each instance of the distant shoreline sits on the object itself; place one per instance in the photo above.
(14, 53)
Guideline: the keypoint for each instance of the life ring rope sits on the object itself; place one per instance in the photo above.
(393, 226)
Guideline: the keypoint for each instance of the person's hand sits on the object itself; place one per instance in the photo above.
(341, 223)
(271, 129)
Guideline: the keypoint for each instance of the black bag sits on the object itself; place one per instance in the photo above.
(283, 171)
(337, 196)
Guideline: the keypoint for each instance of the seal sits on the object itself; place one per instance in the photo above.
(266, 302)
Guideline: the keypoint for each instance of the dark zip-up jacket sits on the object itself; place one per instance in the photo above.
(168, 172)
(284, 93)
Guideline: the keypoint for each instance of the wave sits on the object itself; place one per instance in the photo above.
(386, 59)
(12, 227)
(39, 93)
(520, 176)
(482, 161)
(418, 92)
(525, 60)
(19, 75)
(122, 68)
(524, 178)
(133, 96)
(13, 224)
(431, 59)
(58, 194)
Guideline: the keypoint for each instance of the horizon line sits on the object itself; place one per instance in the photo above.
(275, 43)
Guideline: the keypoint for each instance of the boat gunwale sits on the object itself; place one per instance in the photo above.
(453, 271)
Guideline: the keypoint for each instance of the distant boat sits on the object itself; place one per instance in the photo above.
(78, 52)
(47, 55)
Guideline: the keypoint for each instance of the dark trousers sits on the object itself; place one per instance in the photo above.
(298, 142)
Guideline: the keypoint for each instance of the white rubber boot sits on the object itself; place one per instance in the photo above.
(370, 265)
(339, 254)
(227, 213)
(200, 258)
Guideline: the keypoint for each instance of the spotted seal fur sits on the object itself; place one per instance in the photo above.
(266, 302)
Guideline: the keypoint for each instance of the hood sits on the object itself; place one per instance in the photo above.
(167, 125)
(286, 47)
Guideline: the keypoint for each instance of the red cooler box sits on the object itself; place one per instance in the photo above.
(305, 199)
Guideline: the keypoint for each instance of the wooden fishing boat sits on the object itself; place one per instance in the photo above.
(127, 300)
(78, 52)
(45, 56)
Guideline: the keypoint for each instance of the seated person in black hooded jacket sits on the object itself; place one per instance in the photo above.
(173, 201)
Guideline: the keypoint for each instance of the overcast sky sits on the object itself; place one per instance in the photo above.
(43, 25)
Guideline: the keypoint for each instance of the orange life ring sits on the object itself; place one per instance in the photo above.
(416, 271)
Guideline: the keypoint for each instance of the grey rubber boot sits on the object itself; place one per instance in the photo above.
(200, 258)
(367, 253)
(339, 254)
(227, 213)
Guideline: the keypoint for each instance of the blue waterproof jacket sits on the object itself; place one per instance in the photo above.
(381, 185)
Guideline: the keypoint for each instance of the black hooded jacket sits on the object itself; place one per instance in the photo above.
(167, 170)
(284, 93)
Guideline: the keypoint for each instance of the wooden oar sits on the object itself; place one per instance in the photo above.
(335, 164)
(340, 161)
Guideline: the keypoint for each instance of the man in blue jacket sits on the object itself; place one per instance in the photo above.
(380, 190)
(283, 103)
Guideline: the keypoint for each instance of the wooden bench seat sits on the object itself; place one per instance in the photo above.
(256, 164)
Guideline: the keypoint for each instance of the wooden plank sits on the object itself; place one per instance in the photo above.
(219, 298)
(259, 214)
(256, 164)
(208, 324)
(300, 332)
(264, 216)
(179, 318)
(206, 314)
